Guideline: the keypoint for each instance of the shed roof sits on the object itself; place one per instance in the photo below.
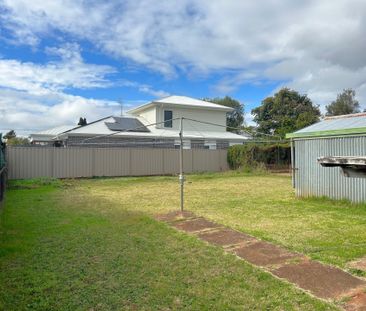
(334, 126)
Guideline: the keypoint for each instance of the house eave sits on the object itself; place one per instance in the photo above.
(184, 106)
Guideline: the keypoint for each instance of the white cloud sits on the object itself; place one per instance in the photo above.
(68, 72)
(27, 113)
(34, 96)
(316, 46)
(144, 88)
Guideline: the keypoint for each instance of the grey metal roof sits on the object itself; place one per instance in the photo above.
(126, 123)
(340, 125)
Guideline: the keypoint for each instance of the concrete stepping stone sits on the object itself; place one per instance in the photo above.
(265, 254)
(226, 237)
(194, 225)
(321, 280)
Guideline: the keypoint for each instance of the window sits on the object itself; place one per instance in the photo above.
(168, 116)
(210, 144)
(186, 144)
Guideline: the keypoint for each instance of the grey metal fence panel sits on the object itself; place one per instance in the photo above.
(311, 179)
(72, 162)
(33, 162)
(27, 162)
(111, 162)
(146, 163)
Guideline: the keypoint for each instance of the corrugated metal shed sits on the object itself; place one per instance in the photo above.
(339, 136)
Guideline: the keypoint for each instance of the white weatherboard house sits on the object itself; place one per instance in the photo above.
(136, 130)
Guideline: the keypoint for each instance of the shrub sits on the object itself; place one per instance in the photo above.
(253, 155)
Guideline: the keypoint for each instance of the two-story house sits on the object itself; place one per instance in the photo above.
(157, 125)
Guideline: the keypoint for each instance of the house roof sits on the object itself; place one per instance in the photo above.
(131, 124)
(182, 101)
(100, 128)
(55, 130)
(49, 134)
(334, 126)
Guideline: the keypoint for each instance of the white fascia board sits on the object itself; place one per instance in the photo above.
(138, 109)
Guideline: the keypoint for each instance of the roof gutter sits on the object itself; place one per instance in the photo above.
(352, 131)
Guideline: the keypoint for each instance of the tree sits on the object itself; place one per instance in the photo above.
(12, 139)
(234, 118)
(17, 141)
(10, 134)
(285, 112)
(345, 103)
(82, 121)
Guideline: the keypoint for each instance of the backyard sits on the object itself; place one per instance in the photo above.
(92, 244)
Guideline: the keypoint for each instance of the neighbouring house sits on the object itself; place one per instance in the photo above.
(157, 125)
(329, 158)
(46, 137)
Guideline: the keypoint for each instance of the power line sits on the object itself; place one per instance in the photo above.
(162, 122)
(229, 127)
(128, 130)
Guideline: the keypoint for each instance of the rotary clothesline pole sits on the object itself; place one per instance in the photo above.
(181, 176)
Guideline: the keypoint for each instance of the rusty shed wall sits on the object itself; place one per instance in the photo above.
(311, 179)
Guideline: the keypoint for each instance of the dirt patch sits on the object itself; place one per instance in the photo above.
(323, 281)
(265, 254)
(226, 237)
(175, 216)
(197, 224)
(356, 303)
(359, 264)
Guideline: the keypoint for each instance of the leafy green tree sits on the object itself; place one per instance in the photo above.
(13, 140)
(10, 134)
(285, 112)
(82, 121)
(345, 103)
(18, 141)
(236, 117)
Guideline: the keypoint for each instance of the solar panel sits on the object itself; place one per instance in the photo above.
(126, 123)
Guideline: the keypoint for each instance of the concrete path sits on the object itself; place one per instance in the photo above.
(321, 280)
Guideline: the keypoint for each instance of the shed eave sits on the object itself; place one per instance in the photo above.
(340, 132)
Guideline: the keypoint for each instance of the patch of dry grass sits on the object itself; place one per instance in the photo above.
(264, 206)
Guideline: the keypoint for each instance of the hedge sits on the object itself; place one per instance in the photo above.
(252, 154)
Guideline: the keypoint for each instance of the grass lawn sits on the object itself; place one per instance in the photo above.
(90, 245)
(333, 232)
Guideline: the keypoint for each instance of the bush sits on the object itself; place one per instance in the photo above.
(2, 152)
(253, 155)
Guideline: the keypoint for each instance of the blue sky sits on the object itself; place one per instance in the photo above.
(63, 59)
